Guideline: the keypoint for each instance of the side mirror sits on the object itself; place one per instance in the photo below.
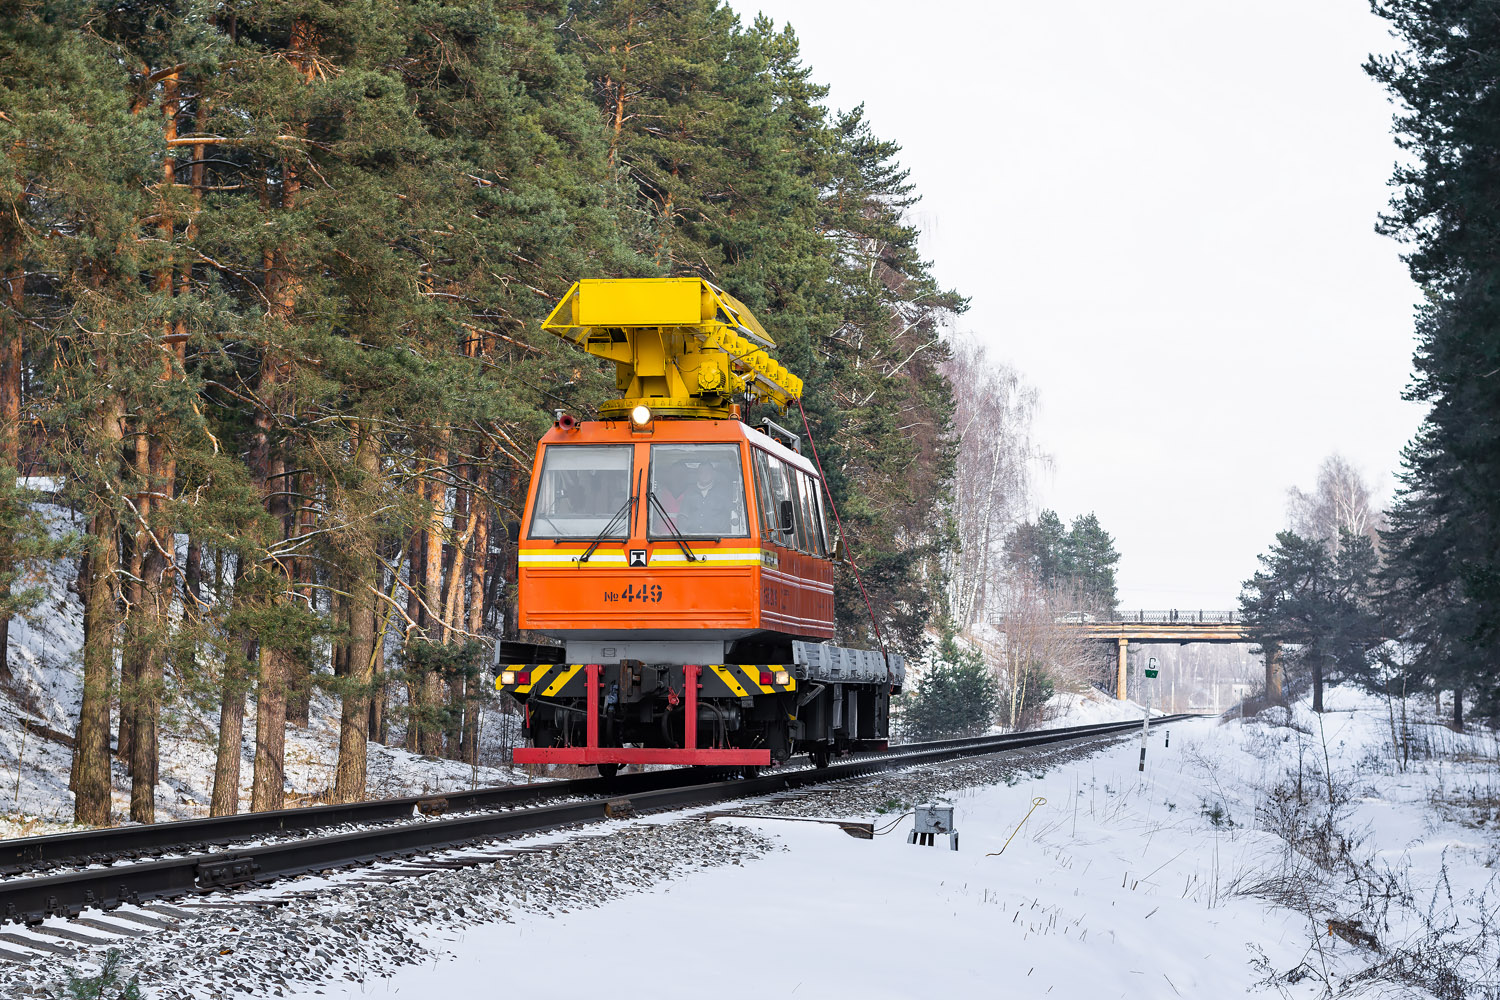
(788, 516)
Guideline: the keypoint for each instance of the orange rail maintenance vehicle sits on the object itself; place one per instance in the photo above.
(683, 558)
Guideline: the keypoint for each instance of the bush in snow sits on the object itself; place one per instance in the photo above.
(109, 984)
(956, 696)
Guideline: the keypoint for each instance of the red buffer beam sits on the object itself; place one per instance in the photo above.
(690, 754)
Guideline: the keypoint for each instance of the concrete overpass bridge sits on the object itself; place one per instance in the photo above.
(1181, 627)
(1178, 626)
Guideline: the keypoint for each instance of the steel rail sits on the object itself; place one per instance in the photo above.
(84, 846)
(81, 847)
(31, 900)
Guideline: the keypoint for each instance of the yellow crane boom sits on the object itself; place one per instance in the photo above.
(681, 346)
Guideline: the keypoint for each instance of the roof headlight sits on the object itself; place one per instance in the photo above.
(641, 415)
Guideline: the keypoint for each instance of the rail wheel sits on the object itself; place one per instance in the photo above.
(820, 755)
(750, 771)
(608, 771)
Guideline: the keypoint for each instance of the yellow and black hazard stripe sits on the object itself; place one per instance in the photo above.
(546, 680)
(568, 680)
(748, 680)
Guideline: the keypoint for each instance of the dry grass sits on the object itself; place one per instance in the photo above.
(21, 825)
(1388, 931)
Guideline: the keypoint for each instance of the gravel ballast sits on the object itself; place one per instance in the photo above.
(362, 924)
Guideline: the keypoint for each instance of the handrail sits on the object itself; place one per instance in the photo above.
(1172, 616)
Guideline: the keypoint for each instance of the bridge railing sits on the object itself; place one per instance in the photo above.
(1186, 617)
(1171, 616)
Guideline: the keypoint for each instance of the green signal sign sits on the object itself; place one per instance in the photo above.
(1151, 673)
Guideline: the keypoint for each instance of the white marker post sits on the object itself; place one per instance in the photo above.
(1151, 670)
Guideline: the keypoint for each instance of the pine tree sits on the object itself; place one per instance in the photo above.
(271, 278)
(1090, 562)
(70, 124)
(1075, 565)
(742, 177)
(1040, 550)
(956, 695)
(1317, 609)
(1444, 548)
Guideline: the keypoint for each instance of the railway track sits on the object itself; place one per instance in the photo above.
(30, 854)
(493, 813)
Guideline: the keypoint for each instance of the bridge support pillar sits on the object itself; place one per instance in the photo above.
(1273, 671)
(1120, 681)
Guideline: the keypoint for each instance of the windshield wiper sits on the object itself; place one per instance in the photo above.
(599, 538)
(672, 527)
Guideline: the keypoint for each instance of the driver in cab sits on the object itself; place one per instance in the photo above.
(707, 507)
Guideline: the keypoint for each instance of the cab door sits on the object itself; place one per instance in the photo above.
(796, 578)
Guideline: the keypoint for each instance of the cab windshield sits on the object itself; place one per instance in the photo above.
(700, 491)
(581, 489)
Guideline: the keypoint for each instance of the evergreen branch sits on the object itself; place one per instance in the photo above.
(225, 268)
(412, 592)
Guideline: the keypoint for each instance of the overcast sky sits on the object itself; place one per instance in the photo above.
(1163, 213)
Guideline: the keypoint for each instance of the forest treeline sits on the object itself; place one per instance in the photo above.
(1443, 572)
(1410, 601)
(271, 275)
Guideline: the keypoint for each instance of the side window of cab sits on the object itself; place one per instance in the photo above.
(810, 529)
(779, 486)
(765, 500)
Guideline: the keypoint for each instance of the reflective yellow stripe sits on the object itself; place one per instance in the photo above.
(752, 679)
(726, 675)
(562, 559)
(705, 558)
(537, 673)
(661, 557)
(562, 680)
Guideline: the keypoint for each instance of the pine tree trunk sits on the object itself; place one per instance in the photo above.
(453, 589)
(97, 586)
(476, 620)
(10, 398)
(136, 641)
(431, 742)
(159, 561)
(267, 782)
(299, 684)
(350, 775)
(1458, 710)
(268, 788)
(479, 565)
(1273, 671)
(282, 287)
(1317, 672)
(225, 800)
(378, 682)
(192, 572)
(158, 592)
(416, 556)
(614, 140)
(339, 613)
(466, 520)
(455, 731)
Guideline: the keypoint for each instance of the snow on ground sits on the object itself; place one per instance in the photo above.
(1091, 707)
(46, 686)
(1183, 881)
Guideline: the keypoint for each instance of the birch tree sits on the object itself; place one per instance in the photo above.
(993, 411)
(1341, 500)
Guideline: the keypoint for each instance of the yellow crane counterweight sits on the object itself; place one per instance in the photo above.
(681, 346)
